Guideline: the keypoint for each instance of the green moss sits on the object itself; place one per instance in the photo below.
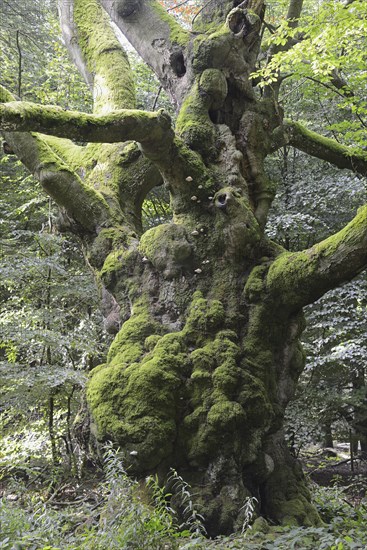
(112, 263)
(177, 34)
(212, 50)
(151, 341)
(5, 95)
(136, 402)
(108, 239)
(179, 392)
(302, 277)
(254, 287)
(202, 358)
(73, 155)
(128, 345)
(168, 248)
(193, 123)
(227, 377)
(207, 28)
(121, 271)
(254, 398)
(213, 84)
(213, 388)
(106, 60)
(84, 204)
(225, 415)
(137, 386)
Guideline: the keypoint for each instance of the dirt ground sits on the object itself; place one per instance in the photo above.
(327, 470)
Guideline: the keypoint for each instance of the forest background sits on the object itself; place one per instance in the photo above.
(52, 332)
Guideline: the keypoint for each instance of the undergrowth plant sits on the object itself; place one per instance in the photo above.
(248, 510)
(193, 520)
(126, 514)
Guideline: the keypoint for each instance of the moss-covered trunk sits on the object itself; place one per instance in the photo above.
(199, 374)
(207, 311)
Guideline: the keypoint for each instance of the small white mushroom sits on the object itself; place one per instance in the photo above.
(194, 198)
(195, 232)
(145, 259)
(198, 270)
(189, 178)
(210, 198)
(200, 187)
(202, 230)
(133, 453)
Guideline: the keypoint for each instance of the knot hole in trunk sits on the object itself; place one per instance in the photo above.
(177, 63)
(221, 200)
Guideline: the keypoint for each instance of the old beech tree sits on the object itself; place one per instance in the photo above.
(207, 310)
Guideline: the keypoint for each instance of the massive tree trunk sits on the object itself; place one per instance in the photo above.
(207, 310)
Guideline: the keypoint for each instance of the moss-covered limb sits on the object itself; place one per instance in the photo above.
(118, 176)
(157, 36)
(119, 171)
(193, 122)
(98, 54)
(183, 168)
(5, 95)
(83, 204)
(145, 127)
(73, 155)
(301, 278)
(55, 163)
(312, 143)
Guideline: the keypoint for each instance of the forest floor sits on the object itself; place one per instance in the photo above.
(67, 514)
(334, 467)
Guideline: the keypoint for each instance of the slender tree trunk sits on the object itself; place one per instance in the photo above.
(327, 435)
(51, 430)
(360, 412)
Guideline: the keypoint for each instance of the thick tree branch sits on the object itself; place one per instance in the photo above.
(156, 36)
(85, 205)
(79, 178)
(293, 133)
(152, 130)
(98, 54)
(69, 34)
(300, 278)
(40, 155)
(71, 153)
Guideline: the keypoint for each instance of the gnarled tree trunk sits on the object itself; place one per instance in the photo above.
(207, 310)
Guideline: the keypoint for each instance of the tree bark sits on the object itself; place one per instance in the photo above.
(207, 310)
